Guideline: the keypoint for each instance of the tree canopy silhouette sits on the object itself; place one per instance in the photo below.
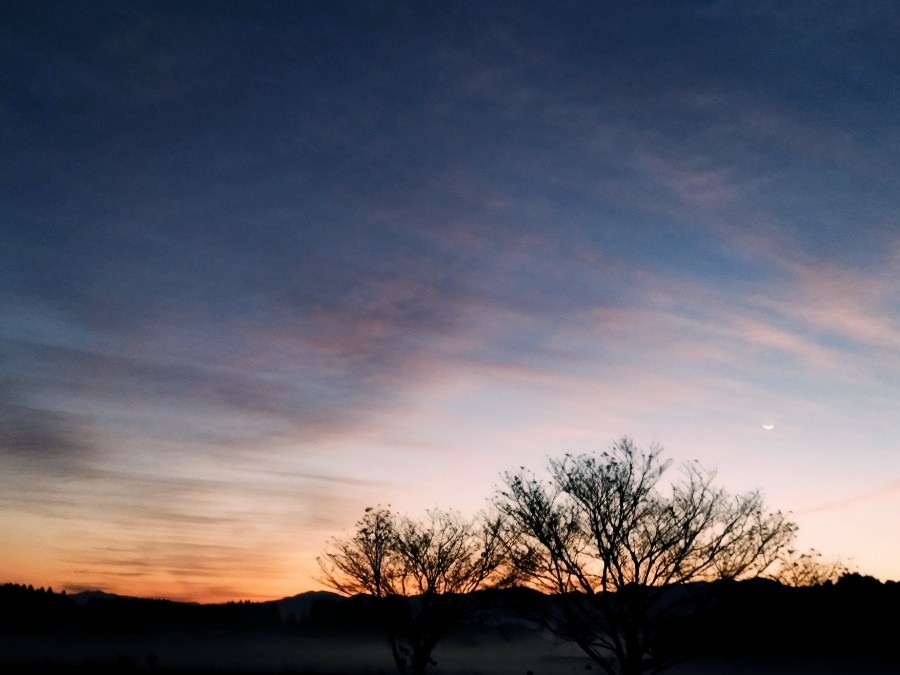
(808, 568)
(612, 543)
(422, 572)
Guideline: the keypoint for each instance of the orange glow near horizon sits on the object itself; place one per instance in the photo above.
(25, 563)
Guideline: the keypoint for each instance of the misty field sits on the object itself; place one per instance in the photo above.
(486, 653)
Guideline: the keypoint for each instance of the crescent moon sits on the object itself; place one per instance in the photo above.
(768, 427)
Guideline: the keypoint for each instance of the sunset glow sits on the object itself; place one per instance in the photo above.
(263, 266)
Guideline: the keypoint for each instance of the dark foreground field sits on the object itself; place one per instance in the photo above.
(220, 653)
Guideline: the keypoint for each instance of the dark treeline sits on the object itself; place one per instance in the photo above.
(24, 608)
(856, 617)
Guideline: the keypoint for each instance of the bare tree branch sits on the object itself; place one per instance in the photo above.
(608, 541)
(423, 573)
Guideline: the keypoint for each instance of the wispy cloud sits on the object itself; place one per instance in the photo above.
(890, 490)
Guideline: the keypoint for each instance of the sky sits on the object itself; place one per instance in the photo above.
(263, 265)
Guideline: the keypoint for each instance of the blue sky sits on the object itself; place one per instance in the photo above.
(262, 266)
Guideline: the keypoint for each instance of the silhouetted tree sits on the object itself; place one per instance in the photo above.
(422, 572)
(618, 552)
(807, 568)
(365, 563)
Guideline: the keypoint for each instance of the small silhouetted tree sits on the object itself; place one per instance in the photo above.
(364, 563)
(807, 568)
(422, 572)
(617, 548)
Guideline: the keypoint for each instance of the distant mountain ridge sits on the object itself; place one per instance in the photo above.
(300, 606)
